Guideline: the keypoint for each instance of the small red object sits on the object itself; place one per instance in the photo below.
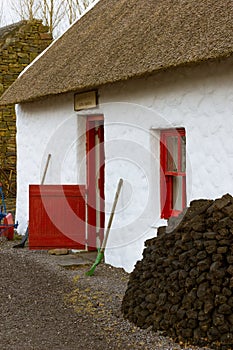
(8, 227)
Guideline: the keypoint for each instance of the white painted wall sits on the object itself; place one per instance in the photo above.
(46, 127)
(198, 98)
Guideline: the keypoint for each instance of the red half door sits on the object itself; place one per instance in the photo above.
(57, 216)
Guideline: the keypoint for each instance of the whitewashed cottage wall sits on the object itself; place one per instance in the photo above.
(199, 98)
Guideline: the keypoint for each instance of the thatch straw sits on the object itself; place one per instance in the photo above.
(118, 40)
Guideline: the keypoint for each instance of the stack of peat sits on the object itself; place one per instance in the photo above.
(183, 286)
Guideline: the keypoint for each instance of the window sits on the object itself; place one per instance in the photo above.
(173, 172)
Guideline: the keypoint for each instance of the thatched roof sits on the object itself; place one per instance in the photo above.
(120, 39)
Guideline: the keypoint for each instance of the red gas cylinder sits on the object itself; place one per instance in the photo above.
(9, 231)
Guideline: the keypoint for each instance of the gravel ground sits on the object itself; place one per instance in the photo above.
(44, 306)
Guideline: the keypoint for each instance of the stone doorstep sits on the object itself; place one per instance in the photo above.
(75, 259)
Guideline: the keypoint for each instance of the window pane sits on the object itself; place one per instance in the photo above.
(172, 153)
(183, 154)
(177, 193)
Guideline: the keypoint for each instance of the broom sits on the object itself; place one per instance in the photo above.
(100, 254)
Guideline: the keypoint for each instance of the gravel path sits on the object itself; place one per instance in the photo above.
(46, 307)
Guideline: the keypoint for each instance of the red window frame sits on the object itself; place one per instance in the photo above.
(173, 172)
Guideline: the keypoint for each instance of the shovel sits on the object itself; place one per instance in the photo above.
(100, 254)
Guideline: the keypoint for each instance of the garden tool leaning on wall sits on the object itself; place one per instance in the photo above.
(100, 254)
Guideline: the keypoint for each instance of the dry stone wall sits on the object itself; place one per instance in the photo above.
(20, 43)
(183, 286)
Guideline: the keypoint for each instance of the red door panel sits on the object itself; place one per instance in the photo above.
(57, 216)
(95, 180)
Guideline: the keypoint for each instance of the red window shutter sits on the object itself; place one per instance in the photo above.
(173, 172)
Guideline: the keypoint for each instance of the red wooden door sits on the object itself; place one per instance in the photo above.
(95, 181)
(56, 216)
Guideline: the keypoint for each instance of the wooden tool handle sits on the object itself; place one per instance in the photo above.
(111, 215)
(45, 169)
